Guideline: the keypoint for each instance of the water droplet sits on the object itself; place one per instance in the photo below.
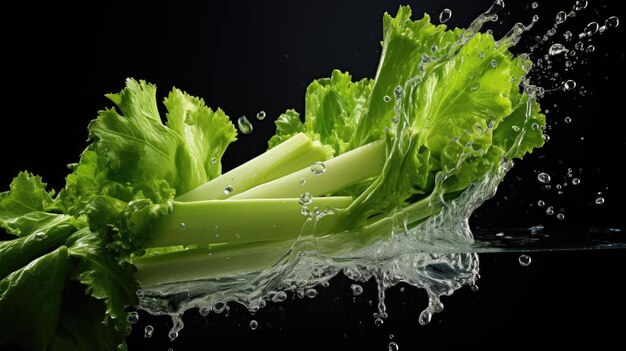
(561, 17)
(244, 125)
(568, 63)
(214, 160)
(356, 289)
(445, 15)
(182, 226)
(579, 45)
(318, 168)
(279, 296)
(474, 86)
(534, 5)
(556, 49)
(148, 331)
(551, 32)
(306, 199)
(550, 211)
(219, 307)
(425, 317)
(378, 322)
(302, 182)
(560, 216)
(524, 260)
(228, 189)
(254, 324)
(580, 5)
(494, 63)
(534, 126)
(568, 119)
(590, 48)
(576, 181)
(132, 317)
(386, 98)
(393, 346)
(612, 22)
(433, 48)
(310, 293)
(569, 85)
(567, 35)
(261, 115)
(599, 200)
(591, 28)
(541, 203)
(398, 91)
(515, 128)
(40, 236)
(172, 335)
(204, 310)
(543, 177)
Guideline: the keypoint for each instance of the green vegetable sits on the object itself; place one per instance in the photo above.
(147, 203)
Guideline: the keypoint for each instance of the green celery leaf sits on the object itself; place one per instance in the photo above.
(30, 301)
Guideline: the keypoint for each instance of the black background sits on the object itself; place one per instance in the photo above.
(248, 56)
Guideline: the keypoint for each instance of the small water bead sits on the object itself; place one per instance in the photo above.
(318, 168)
(580, 4)
(541, 203)
(378, 322)
(229, 189)
(569, 85)
(310, 293)
(576, 181)
(425, 317)
(567, 35)
(219, 307)
(544, 177)
(556, 49)
(172, 335)
(393, 346)
(356, 289)
(445, 15)
(254, 324)
(148, 331)
(305, 199)
(302, 182)
(204, 310)
(551, 32)
(611, 22)
(534, 126)
(39, 236)
(244, 125)
(568, 63)
(560, 216)
(398, 91)
(132, 317)
(261, 115)
(182, 226)
(599, 200)
(474, 86)
(590, 48)
(524, 260)
(561, 17)
(568, 119)
(579, 46)
(386, 98)
(494, 63)
(213, 160)
(433, 48)
(591, 28)
(534, 5)
(515, 128)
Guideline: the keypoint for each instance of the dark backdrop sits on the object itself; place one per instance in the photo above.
(247, 56)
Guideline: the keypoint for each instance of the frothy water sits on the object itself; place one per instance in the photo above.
(440, 255)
